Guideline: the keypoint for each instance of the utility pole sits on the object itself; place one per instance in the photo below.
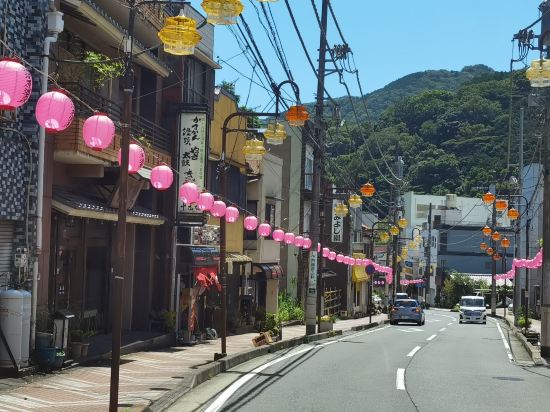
(517, 288)
(494, 263)
(319, 153)
(545, 298)
(428, 268)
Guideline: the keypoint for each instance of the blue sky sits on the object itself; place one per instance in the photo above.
(389, 39)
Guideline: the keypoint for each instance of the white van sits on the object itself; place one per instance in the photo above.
(472, 309)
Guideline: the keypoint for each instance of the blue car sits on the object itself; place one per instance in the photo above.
(407, 310)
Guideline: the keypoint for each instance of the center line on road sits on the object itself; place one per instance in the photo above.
(431, 337)
(449, 324)
(411, 353)
(442, 329)
(400, 379)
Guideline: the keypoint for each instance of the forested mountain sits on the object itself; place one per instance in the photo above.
(451, 128)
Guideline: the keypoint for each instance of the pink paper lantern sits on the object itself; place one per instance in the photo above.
(98, 132)
(15, 84)
(352, 261)
(231, 214)
(326, 252)
(250, 222)
(332, 256)
(345, 261)
(136, 158)
(299, 241)
(218, 209)
(289, 238)
(264, 230)
(307, 243)
(54, 111)
(189, 193)
(339, 258)
(318, 247)
(278, 235)
(205, 201)
(162, 177)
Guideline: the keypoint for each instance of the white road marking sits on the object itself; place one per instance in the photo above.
(449, 324)
(411, 330)
(361, 334)
(400, 379)
(505, 342)
(446, 316)
(431, 337)
(433, 320)
(442, 329)
(411, 353)
(235, 386)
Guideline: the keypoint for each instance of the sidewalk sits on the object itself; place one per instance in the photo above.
(144, 376)
(535, 324)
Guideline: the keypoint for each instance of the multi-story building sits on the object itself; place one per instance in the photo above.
(456, 234)
(81, 191)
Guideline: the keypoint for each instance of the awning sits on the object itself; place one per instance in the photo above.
(92, 207)
(269, 270)
(237, 258)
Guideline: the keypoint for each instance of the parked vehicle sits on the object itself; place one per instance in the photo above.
(407, 310)
(472, 309)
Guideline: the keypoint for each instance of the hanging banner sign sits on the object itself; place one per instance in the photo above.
(337, 230)
(192, 161)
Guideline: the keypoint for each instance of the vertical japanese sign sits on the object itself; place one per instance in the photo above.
(337, 229)
(192, 155)
(312, 282)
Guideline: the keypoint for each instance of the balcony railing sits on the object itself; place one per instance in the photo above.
(155, 134)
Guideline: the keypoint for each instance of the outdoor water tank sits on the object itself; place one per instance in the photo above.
(26, 334)
(451, 201)
(11, 322)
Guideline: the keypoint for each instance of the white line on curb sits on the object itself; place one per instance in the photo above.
(504, 341)
(411, 353)
(400, 379)
(442, 329)
(431, 337)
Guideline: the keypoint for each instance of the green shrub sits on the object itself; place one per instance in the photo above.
(289, 309)
(521, 322)
(272, 324)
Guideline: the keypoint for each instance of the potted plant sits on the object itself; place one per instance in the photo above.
(76, 343)
(327, 323)
(85, 343)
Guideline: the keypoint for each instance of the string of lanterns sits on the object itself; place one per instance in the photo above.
(534, 263)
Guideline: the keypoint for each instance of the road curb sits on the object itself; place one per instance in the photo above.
(369, 325)
(208, 371)
(533, 351)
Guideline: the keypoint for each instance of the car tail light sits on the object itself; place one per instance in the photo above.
(394, 310)
(417, 310)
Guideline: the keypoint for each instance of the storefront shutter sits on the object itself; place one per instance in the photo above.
(6, 245)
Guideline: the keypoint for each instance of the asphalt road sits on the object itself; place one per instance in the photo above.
(441, 366)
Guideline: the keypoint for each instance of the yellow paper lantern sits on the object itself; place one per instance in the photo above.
(341, 210)
(275, 133)
(394, 230)
(384, 237)
(355, 201)
(402, 223)
(222, 12)
(179, 35)
(539, 73)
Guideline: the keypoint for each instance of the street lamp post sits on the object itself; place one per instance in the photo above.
(120, 260)
(223, 187)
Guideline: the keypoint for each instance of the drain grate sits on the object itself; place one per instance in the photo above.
(507, 378)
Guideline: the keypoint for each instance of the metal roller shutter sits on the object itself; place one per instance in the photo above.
(6, 245)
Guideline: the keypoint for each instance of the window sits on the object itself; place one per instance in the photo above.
(308, 169)
(270, 214)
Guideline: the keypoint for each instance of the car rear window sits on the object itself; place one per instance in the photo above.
(472, 302)
(406, 303)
